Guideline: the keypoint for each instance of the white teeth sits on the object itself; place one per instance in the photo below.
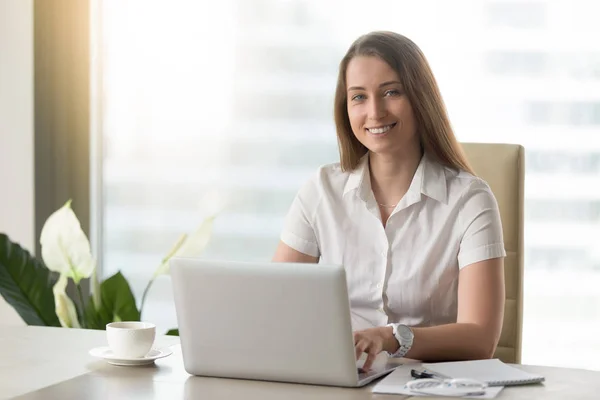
(380, 130)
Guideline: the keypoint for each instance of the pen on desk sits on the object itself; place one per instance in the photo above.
(424, 374)
(420, 374)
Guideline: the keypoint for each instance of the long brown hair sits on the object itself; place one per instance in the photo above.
(409, 62)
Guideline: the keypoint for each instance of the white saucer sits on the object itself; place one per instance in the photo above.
(107, 354)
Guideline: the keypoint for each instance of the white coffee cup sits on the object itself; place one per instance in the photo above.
(132, 339)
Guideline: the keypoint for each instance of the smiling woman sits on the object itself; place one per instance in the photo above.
(418, 234)
(385, 75)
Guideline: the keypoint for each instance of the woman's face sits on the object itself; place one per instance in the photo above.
(380, 114)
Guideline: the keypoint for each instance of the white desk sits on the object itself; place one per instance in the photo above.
(53, 363)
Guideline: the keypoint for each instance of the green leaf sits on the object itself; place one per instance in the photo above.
(26, 284)
(117, 304)
(173, 332)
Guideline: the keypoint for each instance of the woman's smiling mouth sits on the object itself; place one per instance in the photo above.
(380, 130)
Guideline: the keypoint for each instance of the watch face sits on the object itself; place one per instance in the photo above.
(405, 333)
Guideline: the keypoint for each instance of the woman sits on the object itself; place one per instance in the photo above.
(419, 235)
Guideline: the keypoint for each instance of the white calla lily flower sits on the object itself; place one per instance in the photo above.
(188, 245)
(197, 241)
(191, 245)
(65, 247)
(64, 306)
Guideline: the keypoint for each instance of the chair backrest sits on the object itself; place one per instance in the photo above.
(502, 166)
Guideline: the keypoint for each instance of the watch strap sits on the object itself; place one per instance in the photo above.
(403, 347)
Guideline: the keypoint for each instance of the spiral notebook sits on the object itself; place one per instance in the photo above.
(493, 372)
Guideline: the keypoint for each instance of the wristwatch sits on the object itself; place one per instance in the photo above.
(404, 335)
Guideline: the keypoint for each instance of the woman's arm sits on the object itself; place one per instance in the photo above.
(477, 330)
(476, 333)
(285, 253)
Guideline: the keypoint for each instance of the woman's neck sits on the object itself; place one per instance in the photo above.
(392, 174)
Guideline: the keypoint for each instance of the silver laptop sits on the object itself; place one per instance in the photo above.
(267, 321)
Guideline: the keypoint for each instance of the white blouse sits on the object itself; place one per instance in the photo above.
(408, 271)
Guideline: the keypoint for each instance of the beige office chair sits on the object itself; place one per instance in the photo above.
(502, 167)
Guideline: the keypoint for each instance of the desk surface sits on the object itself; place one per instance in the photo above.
(48, 363)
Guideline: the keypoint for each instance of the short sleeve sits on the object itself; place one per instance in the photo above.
(298, 229)
(482, 228)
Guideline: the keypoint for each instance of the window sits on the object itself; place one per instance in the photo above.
(551, 162)
(235, 96)
(576, 65)
(516, 14)
(568, 113)
(563, 211)
(518, 63)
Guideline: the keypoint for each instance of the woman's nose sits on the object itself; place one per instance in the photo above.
(377, 109)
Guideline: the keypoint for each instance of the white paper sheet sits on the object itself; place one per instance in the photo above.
(395, 383)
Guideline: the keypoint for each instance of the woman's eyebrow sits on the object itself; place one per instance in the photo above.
(381, 85)
(390, 83)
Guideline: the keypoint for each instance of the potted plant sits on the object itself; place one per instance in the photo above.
(36, 288)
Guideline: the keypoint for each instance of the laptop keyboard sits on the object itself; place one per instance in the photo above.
(365, 374)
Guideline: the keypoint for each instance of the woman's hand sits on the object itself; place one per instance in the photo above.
(373, 341)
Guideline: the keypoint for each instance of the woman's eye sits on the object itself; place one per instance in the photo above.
(358, 97)
(392, 92)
